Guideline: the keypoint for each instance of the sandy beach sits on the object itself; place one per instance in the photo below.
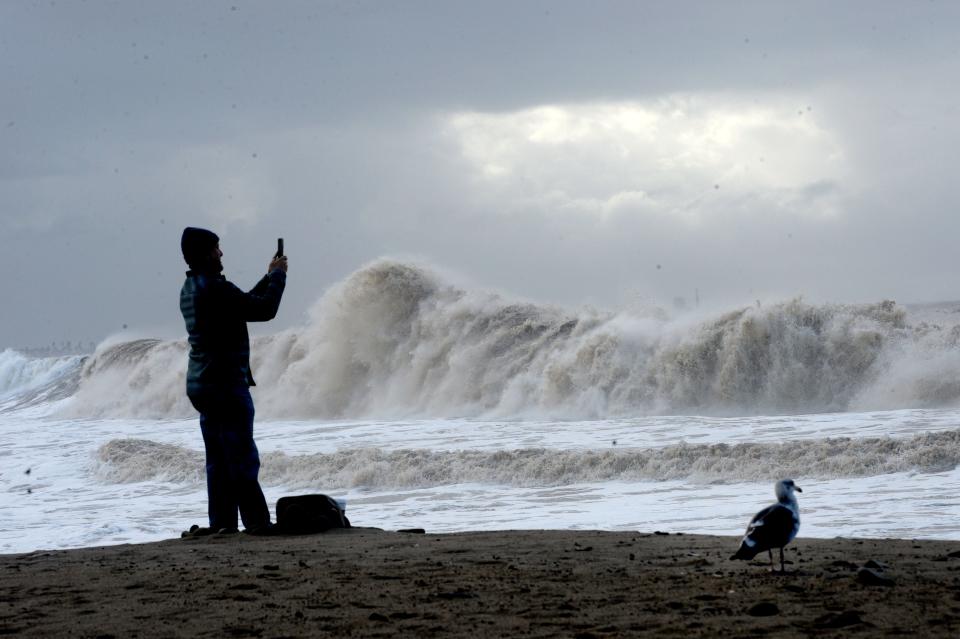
(367, 582)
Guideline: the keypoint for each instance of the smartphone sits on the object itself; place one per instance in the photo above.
(279, 247)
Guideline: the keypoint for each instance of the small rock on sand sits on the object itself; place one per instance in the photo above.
(870, 577)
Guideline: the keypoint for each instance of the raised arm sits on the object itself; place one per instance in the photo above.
(263, 301)
(275, 264)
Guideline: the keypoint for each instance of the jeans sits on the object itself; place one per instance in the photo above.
(233, 462)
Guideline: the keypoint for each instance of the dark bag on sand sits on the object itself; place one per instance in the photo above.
(304, 514)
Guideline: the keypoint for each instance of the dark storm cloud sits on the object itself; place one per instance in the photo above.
(334, 124)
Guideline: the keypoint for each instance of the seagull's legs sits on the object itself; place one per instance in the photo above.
(782, 569)
(770, 552)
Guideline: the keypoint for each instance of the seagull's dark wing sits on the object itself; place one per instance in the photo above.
(771, 527)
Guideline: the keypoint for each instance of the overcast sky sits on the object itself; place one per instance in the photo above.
(568, 152)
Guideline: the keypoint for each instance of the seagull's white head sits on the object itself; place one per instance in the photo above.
(785, 490)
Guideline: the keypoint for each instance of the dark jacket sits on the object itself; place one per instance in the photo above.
(216, 314)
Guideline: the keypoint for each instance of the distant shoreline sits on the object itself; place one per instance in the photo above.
(366, 582)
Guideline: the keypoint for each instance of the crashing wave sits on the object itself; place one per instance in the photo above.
(29, 381)
(396, 340)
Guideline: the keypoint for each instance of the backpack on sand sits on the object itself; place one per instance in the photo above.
(305, 514)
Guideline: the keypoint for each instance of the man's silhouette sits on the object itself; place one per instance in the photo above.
(218, 378)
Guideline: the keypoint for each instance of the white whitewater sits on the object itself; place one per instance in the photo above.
(396, 340)
(431, 406)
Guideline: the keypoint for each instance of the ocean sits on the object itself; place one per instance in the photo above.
(426, 404)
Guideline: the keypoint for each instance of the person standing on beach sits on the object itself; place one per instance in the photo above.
(219, 379)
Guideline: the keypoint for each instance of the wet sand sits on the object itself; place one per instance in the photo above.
(365, 582)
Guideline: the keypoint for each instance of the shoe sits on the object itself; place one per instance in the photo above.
(227, 531)
(197, 531)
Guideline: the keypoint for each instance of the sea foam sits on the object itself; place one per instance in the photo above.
(396, 340)
(129, 460)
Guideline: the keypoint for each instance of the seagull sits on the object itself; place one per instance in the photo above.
(773, 527)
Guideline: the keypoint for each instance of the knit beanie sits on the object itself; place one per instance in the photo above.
(196, 244)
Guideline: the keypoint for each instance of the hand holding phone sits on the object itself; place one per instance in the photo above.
(279, 260)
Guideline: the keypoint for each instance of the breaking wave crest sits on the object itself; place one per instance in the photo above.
(396, 340)
(144, 378)
(127, 460)
(26, 381)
